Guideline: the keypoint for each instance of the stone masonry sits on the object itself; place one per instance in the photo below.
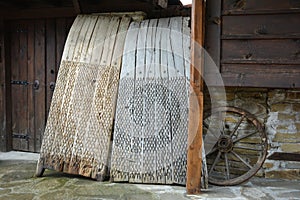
(279, 111)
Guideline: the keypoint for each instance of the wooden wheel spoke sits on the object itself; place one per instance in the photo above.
(243, 137)
(237, 125)
(231, 139)
(241, 159)
(212, 151)
(227, 166)
(215, 162)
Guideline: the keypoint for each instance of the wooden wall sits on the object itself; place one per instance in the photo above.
(255, 43)
(35, 49)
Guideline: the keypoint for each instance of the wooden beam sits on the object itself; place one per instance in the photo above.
(77, 7)
(194, 157)
(37, 13)
(285, 156)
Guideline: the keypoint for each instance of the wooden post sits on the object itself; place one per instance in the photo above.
(194, 157)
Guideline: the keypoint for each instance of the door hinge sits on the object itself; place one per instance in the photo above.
(21, 136)
(17, 82)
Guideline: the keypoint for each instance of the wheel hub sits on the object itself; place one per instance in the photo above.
(225, 143)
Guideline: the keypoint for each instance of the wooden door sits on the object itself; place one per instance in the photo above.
(36, 48)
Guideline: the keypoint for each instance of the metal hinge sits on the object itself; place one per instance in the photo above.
(21, 136)
(36, 83)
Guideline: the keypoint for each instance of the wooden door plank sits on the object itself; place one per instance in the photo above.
(16, 89)
(123, 142)
(50, 60)
(3, 79)
(61, 33)
(31, 78)
(40, 93)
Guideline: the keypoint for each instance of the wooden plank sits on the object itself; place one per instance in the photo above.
(3, 129)
(23, 75)
(83, 102)
(50, 60)
(31, 78)
(194, 155)
(136, 168)
(163, 147)
(100, 38)
(213, 31)
(271, 80)
(260, 69)
(37, 13)
(284, 156)
(16, 89)
(281, 51)
(258, 6)
(61, 32)
(165, 135)
(148, 84)
(40, 93)
(261, 26)
(8, 91)
(71, 41)
(178, 97)
(123, 143)
(146, 148)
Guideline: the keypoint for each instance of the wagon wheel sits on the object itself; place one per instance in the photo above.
(235, 144)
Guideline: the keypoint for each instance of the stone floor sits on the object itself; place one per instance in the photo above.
(17, 182)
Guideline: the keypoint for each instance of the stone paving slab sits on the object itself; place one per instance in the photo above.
(17, 182)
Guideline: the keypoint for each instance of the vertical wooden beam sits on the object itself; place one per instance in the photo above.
(194, 157)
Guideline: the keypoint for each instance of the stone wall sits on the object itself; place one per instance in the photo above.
(279, 111)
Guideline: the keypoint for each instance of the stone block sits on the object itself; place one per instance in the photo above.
(284, 174)
(286, 117)
(293, 95)
(292, 164)
(275, 96)
(268, 165)
(281, 107)
(282, 137)
(296, 107)
(290, 147)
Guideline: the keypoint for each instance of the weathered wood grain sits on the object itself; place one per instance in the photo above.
(275, 51)
(78, 132)
(258, 26)
(151, 114)
(259, 7)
